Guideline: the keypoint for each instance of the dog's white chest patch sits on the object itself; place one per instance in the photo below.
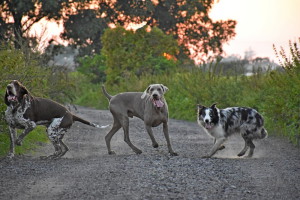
(15, 118)
(217, 131)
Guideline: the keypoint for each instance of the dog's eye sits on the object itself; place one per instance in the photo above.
(151, 89)
(158, 89)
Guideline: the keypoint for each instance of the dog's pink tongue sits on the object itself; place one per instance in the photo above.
(158, 103)
(207, 126)
(11, 97)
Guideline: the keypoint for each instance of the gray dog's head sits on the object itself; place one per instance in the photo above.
(156, 92)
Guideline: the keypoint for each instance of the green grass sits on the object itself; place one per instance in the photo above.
(31, 142)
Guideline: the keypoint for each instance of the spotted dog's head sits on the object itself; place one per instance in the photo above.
(156, 92)
(208, 117)
(15, 92)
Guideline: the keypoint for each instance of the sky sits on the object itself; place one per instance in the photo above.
(260, 24)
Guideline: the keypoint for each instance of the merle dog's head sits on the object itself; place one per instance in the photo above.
(156, 92)
(15, 92)
(208, 117)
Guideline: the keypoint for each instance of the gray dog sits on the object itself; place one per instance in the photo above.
(150, 106)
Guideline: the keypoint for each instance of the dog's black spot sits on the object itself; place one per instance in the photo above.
(259, 120)
(222, 115)
(230, 122)
(244, 114)
(248, 132)
(214, 115)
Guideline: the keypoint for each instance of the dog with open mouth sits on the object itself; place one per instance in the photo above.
(222, 123)
(150, 106)
(25, 111)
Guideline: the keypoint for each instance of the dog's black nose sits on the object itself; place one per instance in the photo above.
(9, 87)
(155, 95)
(206, 121)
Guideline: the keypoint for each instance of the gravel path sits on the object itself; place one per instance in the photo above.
(88, 172)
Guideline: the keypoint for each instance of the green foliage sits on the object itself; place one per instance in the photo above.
(187, 21)
(131, 54)
(89, 93)
(93, 67)
(32, 142)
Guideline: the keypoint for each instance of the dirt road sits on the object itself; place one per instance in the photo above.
(88, 172)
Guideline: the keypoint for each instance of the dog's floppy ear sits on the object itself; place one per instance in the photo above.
(145, 92)
(164, 88)
(6, 100)
(22, 91)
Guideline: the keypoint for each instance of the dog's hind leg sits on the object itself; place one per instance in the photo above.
(65, 148)
(252, 147)
(55, 134)
(125, 125)
(116, 126)
(57, 151)
(245, 148)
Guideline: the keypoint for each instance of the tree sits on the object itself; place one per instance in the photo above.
(85, 29)
(130, 53)
(18, 16)
(187, 21)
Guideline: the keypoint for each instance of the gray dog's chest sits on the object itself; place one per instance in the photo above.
(156, 116)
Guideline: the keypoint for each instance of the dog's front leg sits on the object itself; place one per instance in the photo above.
(150, 133)
(12, 135)
(166, 133)
(216, 147)
(30, 126)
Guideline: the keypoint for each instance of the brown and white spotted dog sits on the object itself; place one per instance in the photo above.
(25, 111)
(221, 123)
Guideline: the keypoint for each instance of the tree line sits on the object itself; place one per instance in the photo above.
(187, 21)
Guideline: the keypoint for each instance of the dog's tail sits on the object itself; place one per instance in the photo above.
(106, 93)
(76, 118)
(263, 133)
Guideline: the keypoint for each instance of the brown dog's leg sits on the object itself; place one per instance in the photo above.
(28, 129)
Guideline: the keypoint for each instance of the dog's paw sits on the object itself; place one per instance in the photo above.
(241, 154)
(10, 155)
(173, 154)
(112, 153)
(221, 147)
(155, 145)
(138, 151)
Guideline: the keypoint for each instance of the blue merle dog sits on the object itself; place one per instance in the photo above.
(221, 123)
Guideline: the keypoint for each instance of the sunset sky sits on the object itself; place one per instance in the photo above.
(260, 24)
